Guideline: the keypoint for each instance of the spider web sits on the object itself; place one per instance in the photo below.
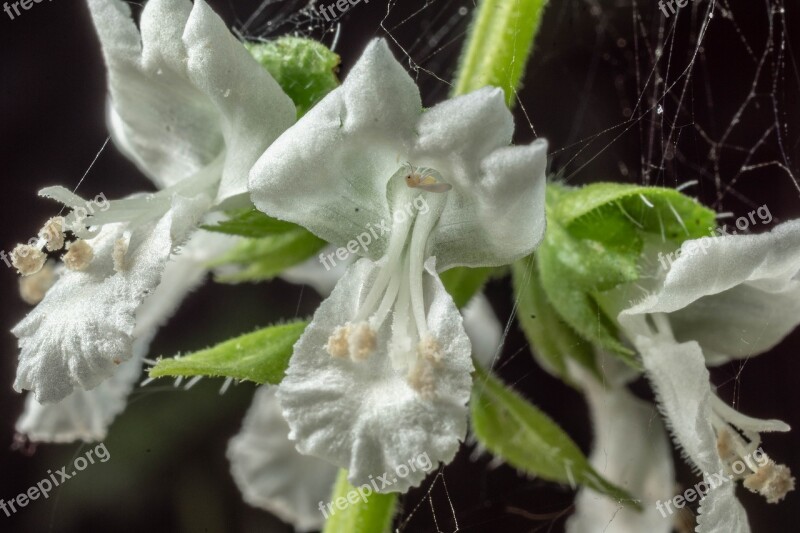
(629, 95)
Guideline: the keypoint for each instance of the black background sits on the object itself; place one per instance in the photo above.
(167, 470)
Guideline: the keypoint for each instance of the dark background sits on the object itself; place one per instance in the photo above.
(167, 470)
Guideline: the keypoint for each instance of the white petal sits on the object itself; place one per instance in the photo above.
(681, 381)
(83, 415)
(86, 415)
(631, 450)
(736, 295)
(495, 211)
(740, 322)
(253, 108)
(499, 217)
(468, 128)
(329, 172)
(84, 326)
(721, 512)
(188, 93)
(271, 474)
(363, 416)
(339, 169)
(484, 330)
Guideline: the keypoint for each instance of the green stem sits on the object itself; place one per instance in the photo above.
(500, 41)
(358, 510)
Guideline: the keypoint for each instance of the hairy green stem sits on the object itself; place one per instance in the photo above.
(498, 46)
(358, 510)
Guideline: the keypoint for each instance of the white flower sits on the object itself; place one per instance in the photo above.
(87, 414)
(191, 107)
(631, 450)
(269, 471)
(737, 299)
(382, 373)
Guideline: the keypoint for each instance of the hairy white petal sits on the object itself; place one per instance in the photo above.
(340, 155)
(83, 415)
(87, 414)
(721, 512)
(186, 91)
(83, 328)
(736, 295)
(679, 376)
(271, 474)
(363, 415)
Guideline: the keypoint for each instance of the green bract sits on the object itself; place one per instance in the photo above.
(594, 242)
(304, 68)
(527, 439)
(261, 356)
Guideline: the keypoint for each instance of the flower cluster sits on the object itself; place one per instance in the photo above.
(383, 372)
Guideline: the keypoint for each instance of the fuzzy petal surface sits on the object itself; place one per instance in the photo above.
(339, 169)
(681, 381)
(721, 512)
(186, 92)
(87, 415)
(737, 295)
(363, 416)
(84, 327)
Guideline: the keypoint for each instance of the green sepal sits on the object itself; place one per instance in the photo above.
(264, 258)
(616, 214)
(353, 510)
(463, 283)
(304, 68)
(520, 434)
(551, 339)
(568, 268)
(261, 356)
(252, 223)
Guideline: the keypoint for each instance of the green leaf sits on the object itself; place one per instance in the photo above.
(261, 356)
(251, 222)
(463, 283)
(552, 340)
(264, 258)
(305, 69)
(616, 213)
(359, 510)
(527, 439)
(500, 40)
